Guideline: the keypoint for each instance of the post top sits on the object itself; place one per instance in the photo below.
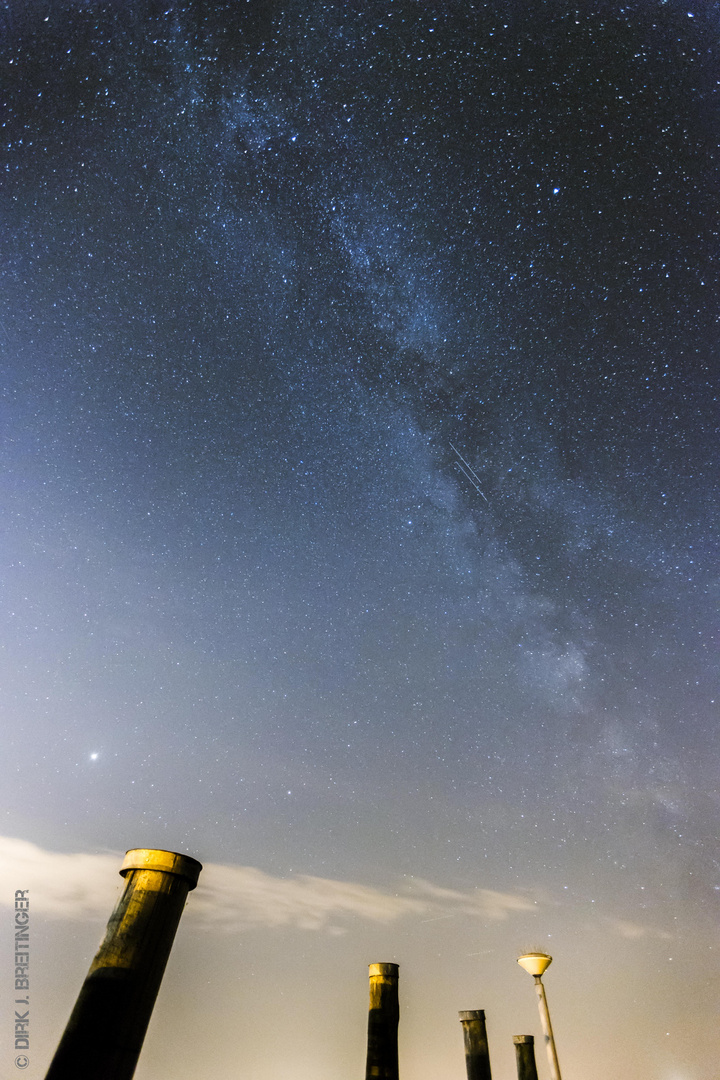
(390, 971)
(168, 862)
(472, 1014)
(520, 1039)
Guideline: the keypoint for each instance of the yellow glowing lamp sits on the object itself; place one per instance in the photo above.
(535, 963)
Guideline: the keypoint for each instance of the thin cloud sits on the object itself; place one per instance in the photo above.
(632, 931)
(62, 886)
(84, 886)
(239, 897)
(482, 903)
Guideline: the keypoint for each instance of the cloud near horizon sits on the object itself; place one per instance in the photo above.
(632, 931)
(85, 886)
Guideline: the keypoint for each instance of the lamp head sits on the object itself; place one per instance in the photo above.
(535, 963)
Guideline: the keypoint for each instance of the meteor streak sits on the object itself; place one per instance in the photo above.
(467, 470)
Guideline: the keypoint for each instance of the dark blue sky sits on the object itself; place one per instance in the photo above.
(265, 267)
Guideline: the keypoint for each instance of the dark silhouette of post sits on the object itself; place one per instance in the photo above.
(383, 1019)
(105, 1032)
(477, 1053)
(525, 1055)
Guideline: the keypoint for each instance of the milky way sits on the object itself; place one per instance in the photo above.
(272, 274)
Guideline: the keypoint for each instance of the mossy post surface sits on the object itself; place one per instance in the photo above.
(383, 1019)
(106, 1029)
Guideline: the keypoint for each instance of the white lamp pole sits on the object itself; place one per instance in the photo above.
(535, 964)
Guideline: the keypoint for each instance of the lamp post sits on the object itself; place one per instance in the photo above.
(535, 964)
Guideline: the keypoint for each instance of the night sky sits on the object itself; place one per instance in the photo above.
(360, 519)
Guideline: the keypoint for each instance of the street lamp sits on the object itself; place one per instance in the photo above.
(535, 963)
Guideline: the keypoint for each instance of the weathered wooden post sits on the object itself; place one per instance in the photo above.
(525, 1055)
(105, 1032)
(477, 1053)
(383, 1020)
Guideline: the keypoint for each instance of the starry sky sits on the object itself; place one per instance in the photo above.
(359, 533)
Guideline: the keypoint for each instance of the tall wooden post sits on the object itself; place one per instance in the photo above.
(105, 1032)
(477, 1053)
(525, 1055)
(383, 1019)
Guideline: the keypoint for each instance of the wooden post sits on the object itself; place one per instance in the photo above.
(383, 1019)
(525, 1055)
(105, 1032)
(477, 1053)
